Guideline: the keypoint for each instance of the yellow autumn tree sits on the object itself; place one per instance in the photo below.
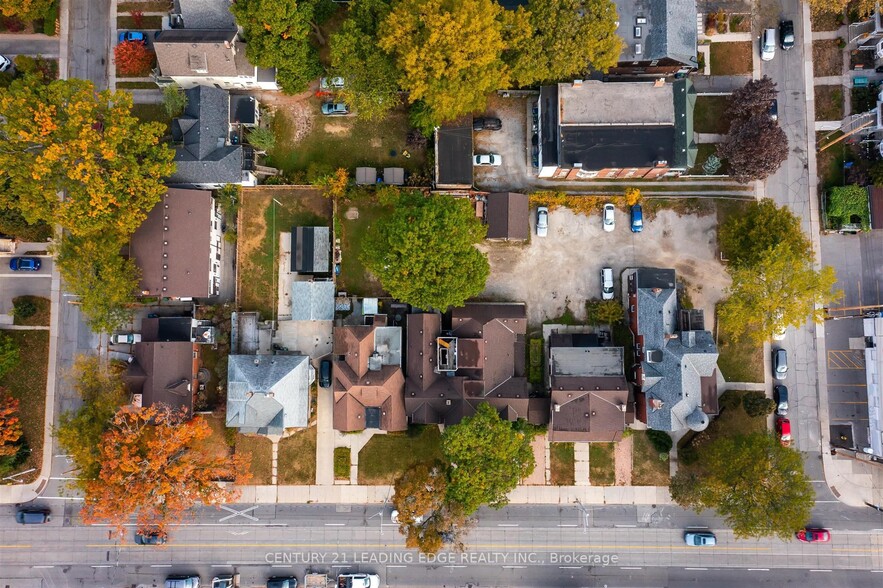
(25, 9)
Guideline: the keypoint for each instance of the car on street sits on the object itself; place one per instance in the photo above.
(780, 393)
(282, 582)
(786, 34)
(487, 159)
(5, 63)
(637, 219)
(325, 373)
(335, 83)
(780, 364)
(609, 217)
(125, 338)
(768, 44)
(486, 123)
(542, 221)
(774, 109)
(225, 581)
(33, 516)
(335, 109)
(813, 535)
(607, 283)
(358, 581)
(136, 36)
(700, 539)
(783, 429)
(25, 264)
(150, 537)
(191, 581)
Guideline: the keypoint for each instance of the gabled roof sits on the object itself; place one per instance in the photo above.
(312, 300)
(508, 216)
(172, 246)
(673, 30)
(267, 394)
(310, 250)
(205, 14)
(202, 155)
(164, 372)
(201, 53)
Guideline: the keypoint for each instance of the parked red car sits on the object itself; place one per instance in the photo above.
(814, 535)
(783, 428)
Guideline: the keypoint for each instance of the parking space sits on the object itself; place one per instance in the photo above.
(564, 267)
(512, 142)
(847, 389)
(858, 261)
(23, 283)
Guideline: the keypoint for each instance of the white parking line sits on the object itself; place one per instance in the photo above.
(335, 524)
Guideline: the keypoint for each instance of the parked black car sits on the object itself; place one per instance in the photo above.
(486, 123)
(786, 34)
(325, 373)
(33, 516)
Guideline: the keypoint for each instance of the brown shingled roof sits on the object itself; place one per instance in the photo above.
(508, 216)
(162, 372)
(587, 409)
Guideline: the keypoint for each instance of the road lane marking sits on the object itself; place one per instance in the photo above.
(335, 524)
(507, 525)
(568, 525)
(571, 567)
(697, 569)
(104, 566)
(396, 567)
(758, 569)
(280, 566)
(161, 565)
(514, 567)
(820, 570)
(625, 526)
(238, 513)
(21, 546)
(630, 568)
(42, 567)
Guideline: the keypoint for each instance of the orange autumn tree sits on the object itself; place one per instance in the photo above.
(133, 58)
(10, 425)
(155, 466)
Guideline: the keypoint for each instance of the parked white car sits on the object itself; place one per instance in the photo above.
(491, 159)
(609, 217)
(768, 44)
(607, 283)
(125, 338)
(542, 221)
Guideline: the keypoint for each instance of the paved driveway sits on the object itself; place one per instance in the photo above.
(565, 266)
(14, 284)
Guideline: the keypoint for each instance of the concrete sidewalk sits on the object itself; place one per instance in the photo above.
(349, 494)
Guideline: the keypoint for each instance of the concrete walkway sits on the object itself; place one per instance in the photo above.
(274, 476)
(24, 328)
(581, 464)
(708, 137)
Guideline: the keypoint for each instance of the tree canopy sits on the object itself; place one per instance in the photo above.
(755, 148)
(745, 238)
(488, 459)
(565, 38)
(752, 99)
(8, 354)
(277, 34)
(10, 424)
(64, 136)
(424, 251)
(846, 202)
(370, 75)
(757, 485)
(154, 467)
(448, 52)
(26, 9)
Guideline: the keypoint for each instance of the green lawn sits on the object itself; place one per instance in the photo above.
(562, 464)
(297, 458)
(706, 150)
(731, 58)
(354, 278)
(342, 463)
(602, 469)
(344, 141)
(261, 450)
(27, 383)
(829, 102)
(258, 252)
(647, 468)
(40, 318)
(732, 420)
(710, 115)
(386, 456)
(740, 360)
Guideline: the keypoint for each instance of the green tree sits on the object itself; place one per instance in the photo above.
(846, 202)
(262, 138)
(566, 38)
(229, 197)
(488, 458)
(448, 52)
(26, 9)
(278, 35)
(752, 99)
(370, 75)
(8, 354)
(757, 485)
(756, 404)
(424, 251)
(755, 148)
(105, 282)
(174, 100)
(79, 432)
(609, 312)
(64, 136)
(745, 238)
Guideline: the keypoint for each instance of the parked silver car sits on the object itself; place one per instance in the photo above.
(780, 364)
(542, 221)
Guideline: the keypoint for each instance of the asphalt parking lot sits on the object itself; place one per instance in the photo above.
(858, 260)
(512, 143)
(847, 388)
(564, 267)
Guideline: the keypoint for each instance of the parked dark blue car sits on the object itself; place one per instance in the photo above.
(637, 219)
(24, 264)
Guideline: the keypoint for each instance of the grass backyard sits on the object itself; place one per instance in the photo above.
(647, 468)
(40, 318)
(710, 115)
(344, 141)
(827, 58)
(342, 463)
(830, 161)
(602, 469)
(829, 102)
(27, 382)
(354, 220)
(297, 458)
(257, 271)
(740, 360)
(561, 464)
(384, 457)
(731, 58)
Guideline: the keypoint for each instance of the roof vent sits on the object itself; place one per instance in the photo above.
(257, 361)
(622, 407)
(557, 407)
(448, 402)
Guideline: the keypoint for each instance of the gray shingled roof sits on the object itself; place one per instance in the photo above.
(201, 155)
(268, 393)
(205, 14)
(312, 301)
(673, 30)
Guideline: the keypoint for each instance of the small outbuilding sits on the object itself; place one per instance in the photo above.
(453, 155)
(508, 216)
(311, 250)
(366, 175)
(395, 176)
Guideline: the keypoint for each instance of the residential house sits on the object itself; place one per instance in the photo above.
(453, 155)
(367, 378)
(267, 394)
(479, 358)
(659, 38)
(590, 395)
(163, 372)
(177, 328)
(311, 250)
(207, 154)
(201, 14)
(312, 300)
(873, 336)
(675, 371)
(591, 129)
(508, 216)
(178, 246)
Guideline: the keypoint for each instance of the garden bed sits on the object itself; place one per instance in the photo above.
(41, 307)
(705, 151)
(148, 23)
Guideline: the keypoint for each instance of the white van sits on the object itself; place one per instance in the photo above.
(768, 44)
(607, 283)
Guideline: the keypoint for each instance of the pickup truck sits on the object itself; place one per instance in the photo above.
(358, 581)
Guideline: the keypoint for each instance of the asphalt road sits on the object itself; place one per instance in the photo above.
(90, 41)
